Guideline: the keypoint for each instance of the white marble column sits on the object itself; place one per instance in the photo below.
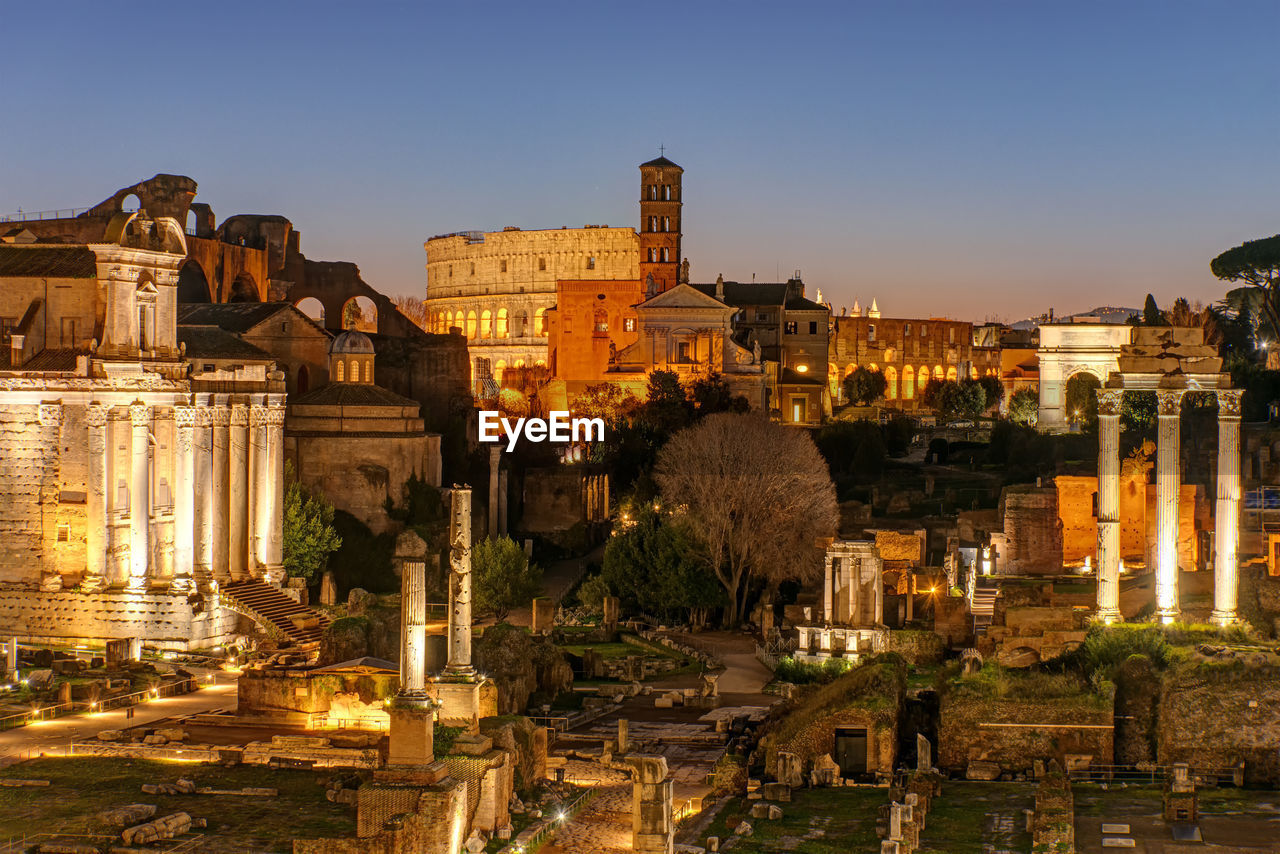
(272, 472)
(1169, 410)
(459, 663)
(238, 492)
(220, 416)
(204, 492)
(97, 534)
(184, 498)
(1227, 512)
(139, 496)
(257, 478)
(413, 632)
(1109, 406)
(828, 590)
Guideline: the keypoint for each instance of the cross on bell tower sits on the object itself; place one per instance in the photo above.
(660, 205)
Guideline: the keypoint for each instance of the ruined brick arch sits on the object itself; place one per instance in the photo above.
(334, 292)
(312, 308)
(363, 321)
(193, 284)
(244, 289)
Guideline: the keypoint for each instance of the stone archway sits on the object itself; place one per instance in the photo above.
(193, 284)
(1067, 349)
(243, 289)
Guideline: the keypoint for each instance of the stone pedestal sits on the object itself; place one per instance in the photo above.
(412, 732)
(652, 826)
(544, 614)
(1226, 516)
(459, 701)
(612, 607)
(1169, 410)
(1109, 406)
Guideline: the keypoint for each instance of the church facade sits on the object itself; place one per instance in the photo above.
(133, 488)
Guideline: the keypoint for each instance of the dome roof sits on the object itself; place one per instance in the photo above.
(352, 341)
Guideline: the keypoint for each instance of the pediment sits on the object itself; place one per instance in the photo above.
(684, 296)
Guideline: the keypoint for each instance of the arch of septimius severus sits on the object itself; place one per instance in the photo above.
(1171, 362)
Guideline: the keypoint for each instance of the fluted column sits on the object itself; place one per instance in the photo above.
(204, 492)
(1109, 405)
(1226, 515)
(184, 498)
(238, 492)
(413, 632)
(97, 534)
(272, 512)
(828, 590)
(459, 663)
(1167, 483)
(139, 496)
(220, 416)
(257, 477)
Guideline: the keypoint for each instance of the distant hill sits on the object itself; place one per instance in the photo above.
(1101, 314)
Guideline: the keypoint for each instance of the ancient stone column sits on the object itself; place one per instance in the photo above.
(220, 418)
(97, 535)
(459, 663)
(204, 537)
(652, 827)
(1226, 514)
(502, 503)
(11, 663)
(413, 631)
(1167, 482)
(1109, 405)
(272, 511)
(184, 497)
(258, 478)
(828, 590)
(495, 457)
(238, 492)
(139, 495)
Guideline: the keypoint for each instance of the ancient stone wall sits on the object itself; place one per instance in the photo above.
(1033, 531)
(1213, 715)
(1012, 733)
(29, 455)
(165, 620)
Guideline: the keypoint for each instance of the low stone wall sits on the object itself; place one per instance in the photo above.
(162, 620)
(917, 647)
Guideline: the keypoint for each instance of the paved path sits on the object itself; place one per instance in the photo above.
(743, 674)
(54, 735)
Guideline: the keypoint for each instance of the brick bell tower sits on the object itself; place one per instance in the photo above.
(660, 223)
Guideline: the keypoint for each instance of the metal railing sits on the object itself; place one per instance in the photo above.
(46, 713)
(566, 814)
(31, 216)
(1154, 774)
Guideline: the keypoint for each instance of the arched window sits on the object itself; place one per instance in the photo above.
(471, 325)
(540, 321)
(304, 380)
(501, 331)
(951, 373)
(355, 371)
(923, 379)
(499, 367)
(486, 324)
(666, 223)
(520, 325)
(908, 383)
(342, 371)
(542, 264)
(600, 324)
(891, 377)
(973, 371)
(937, 372)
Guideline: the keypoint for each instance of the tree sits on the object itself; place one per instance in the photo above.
(1138, 411)
(993, 388)
(1081, 399)
(666, 407)
(414, 309)
(1151, 313)
(756, 497)
(864, 386)
(652, 566)
(1256, 263)
(309, 535)
(951, 399)
(1024, 407)
(504, 578)
(605, 400)
(712, 394)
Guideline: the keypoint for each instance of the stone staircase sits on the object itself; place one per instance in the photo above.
(984, 608)
(279, 616)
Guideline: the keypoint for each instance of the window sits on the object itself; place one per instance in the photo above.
(684, 352)
(871, 332)
(906, 330)
(762, 317)
(501, 330)
(951, 334)
(68, 332)
(451, 271)
(355, 371)
(209, 368)
(666, 254)
(542, 264)
(629, 324)
(653, 255)
(64, 532)
(813, 327)
(502, 266)
(666, 192)
(924, 330)
(789, 327)
(486, 324)
(591, 262)
(666, 223)
(342, 371)
(601, 322)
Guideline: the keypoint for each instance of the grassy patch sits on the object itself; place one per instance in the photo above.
(973, 816)
(817, 821)
(80, 788)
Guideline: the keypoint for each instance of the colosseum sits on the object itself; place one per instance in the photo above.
(497, 286)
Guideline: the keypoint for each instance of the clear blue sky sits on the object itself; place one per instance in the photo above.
(972, 159)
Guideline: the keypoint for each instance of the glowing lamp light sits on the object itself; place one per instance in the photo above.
(802, 369)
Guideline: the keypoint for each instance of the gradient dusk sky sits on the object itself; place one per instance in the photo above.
(971, 159)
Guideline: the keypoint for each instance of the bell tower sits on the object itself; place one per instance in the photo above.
(660, 222)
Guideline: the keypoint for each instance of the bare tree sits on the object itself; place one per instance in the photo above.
(414, 309)
(757, 496)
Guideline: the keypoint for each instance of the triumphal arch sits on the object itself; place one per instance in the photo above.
(1171, 362)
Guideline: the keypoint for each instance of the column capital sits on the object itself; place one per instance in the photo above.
(1229, 402)
(219, 416)
(50, 414)
(1169, 402)
(140, 414)
(239, 415)
(1110, 401)
(274, 416)
(203, 416)
(186, 416)
(257, 414)
(95, 414)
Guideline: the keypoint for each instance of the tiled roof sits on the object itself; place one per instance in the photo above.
(804, 304)
(232, 316)
(748, 293)
(53, 262)
(660, 161)
(352, 394)
(212, 342)
(45, 360)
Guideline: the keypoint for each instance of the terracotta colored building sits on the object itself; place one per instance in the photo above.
(590, 324)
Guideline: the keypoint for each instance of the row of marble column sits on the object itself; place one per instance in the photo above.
(1168, 482)
(842, 592)
(227, 485)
